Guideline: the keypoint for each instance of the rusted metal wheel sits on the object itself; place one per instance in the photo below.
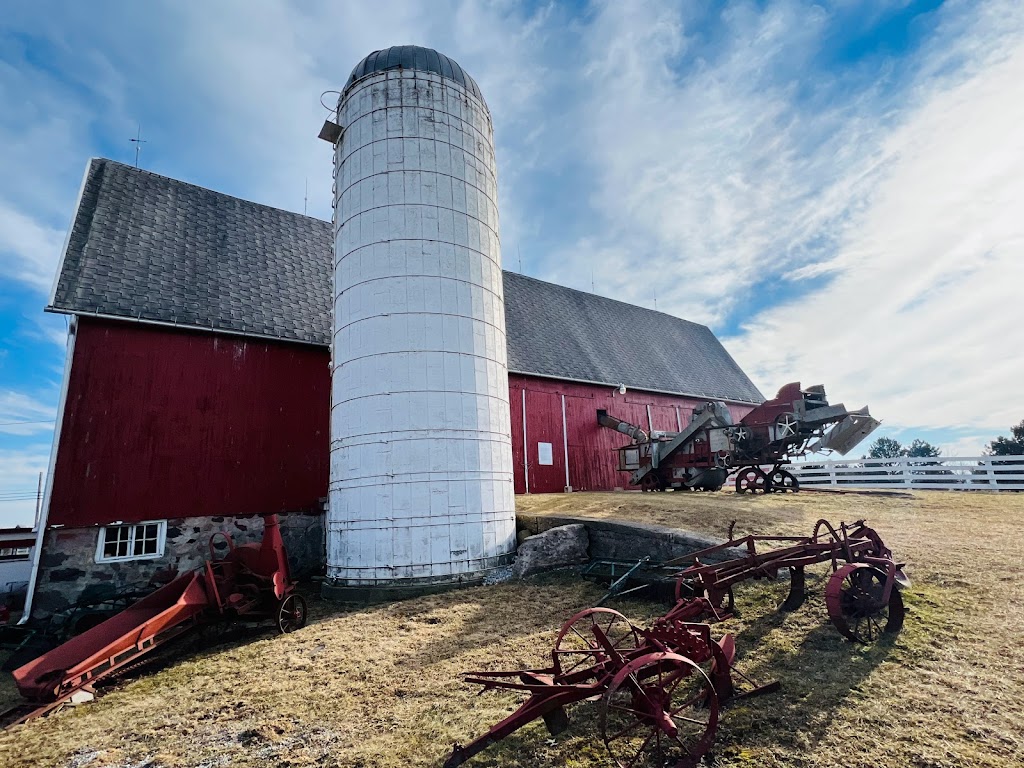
(659, 710)
(651, 482)
(784, 481)
(854, 597)
(580, 644)
(752, 480)
(291, 613)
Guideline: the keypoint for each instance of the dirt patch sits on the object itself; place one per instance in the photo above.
(380, 686)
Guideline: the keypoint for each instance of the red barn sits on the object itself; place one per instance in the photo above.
(197, 382)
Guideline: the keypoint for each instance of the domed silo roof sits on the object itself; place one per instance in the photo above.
(414, 57)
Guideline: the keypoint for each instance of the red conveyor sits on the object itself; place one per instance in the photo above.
(157, 618)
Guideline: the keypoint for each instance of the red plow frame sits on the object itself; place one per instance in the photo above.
(660, 689)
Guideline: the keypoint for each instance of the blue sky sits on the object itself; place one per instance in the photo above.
(834, 188)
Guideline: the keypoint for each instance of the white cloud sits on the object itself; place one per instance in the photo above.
(923, 318)
(19, 475)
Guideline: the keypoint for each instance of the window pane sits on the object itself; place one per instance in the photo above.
(116, 541)
(146, 539)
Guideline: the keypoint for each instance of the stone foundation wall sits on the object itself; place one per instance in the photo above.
(68, 571)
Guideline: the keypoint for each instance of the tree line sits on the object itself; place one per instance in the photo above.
(890, 448)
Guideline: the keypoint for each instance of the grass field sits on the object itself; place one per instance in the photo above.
(380, 686)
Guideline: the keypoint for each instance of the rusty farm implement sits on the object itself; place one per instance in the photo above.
(249, 583)
(703, 454)
(660, 689)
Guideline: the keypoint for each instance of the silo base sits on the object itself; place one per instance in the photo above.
(341, 591)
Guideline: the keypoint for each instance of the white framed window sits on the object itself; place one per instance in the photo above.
(133, 541)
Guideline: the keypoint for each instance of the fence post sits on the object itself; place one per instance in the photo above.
(905, 469)
(991, 472)
(832, 473)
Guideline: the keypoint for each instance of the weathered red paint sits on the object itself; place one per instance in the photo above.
(163, 423)
(591, 447)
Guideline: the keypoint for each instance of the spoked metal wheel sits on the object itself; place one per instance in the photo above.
(660, 710)
(581, 643)
(752, 480)
(854, 598)
(784, 482)
(291, 613)
(786, 425)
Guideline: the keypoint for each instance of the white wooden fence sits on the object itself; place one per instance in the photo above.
(972, 473)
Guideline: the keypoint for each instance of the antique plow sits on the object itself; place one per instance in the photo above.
(660, 689)
(862, 595)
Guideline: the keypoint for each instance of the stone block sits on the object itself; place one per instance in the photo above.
(554, 548)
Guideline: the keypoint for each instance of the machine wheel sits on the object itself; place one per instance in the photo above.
(753, 480)
(651, 482)
(786, 425)
(659, 710)
(577, 646)
(784, 482)
(854, 599)
(291, 613)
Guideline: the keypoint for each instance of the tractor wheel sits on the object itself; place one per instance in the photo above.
(291, 613)
(854, 599)
(579, 645)
(659, 710)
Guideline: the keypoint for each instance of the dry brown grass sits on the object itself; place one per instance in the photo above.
(380, 687)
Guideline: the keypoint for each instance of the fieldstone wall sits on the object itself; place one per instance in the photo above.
(68, 571)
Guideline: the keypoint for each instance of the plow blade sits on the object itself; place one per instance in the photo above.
(848, 433)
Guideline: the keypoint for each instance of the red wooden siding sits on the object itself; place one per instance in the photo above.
(591, 447)
(162, 424)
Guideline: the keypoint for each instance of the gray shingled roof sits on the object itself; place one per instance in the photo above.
(150, 248)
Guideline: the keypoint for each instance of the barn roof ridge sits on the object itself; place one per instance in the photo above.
(149, 248)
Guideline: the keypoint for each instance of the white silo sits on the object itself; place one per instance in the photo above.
(421, 454)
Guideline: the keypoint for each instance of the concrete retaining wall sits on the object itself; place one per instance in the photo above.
(626, 540)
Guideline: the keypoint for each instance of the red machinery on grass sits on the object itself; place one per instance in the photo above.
(251, 582)
(702, 456)
(660, 689)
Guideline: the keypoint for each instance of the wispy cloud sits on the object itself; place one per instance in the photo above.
(922, 314)
(22, 414)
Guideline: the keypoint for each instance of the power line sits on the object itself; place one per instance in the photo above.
(14, 423)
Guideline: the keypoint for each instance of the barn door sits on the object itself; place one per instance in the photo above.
(544, 446)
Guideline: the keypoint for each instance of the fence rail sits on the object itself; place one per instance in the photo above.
(970, 473)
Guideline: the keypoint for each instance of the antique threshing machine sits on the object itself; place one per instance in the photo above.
(660, 689)
(712, 446)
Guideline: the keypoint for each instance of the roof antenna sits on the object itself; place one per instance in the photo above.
(305, 198)
(520, 258)
(138, 141)
(592, 288)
